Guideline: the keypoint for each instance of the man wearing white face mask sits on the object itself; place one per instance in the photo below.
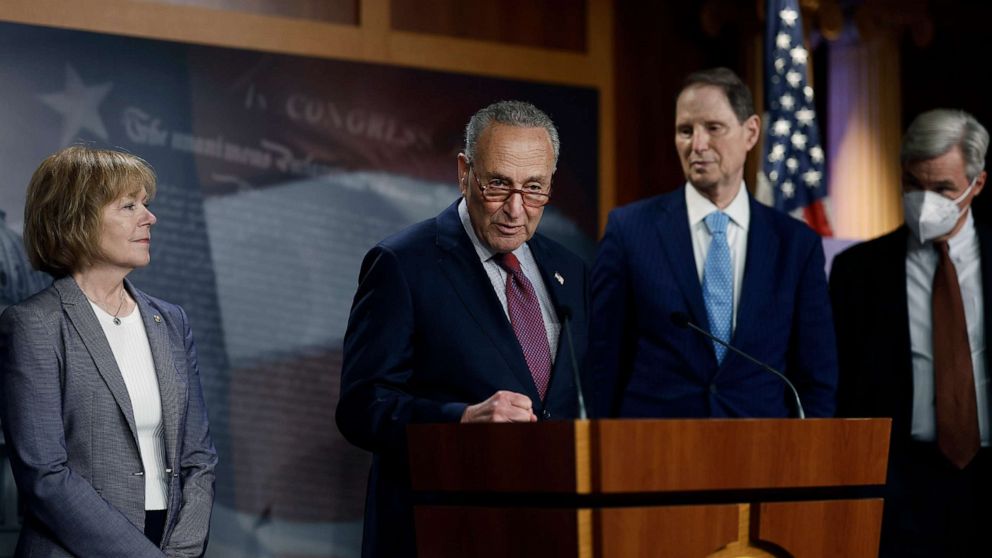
(912, 330)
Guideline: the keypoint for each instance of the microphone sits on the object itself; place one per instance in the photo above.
(682, 321)
(566, 319)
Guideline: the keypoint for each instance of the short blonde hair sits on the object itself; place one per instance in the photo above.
(63, 213)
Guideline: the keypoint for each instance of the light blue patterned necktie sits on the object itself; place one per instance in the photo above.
(718, 282)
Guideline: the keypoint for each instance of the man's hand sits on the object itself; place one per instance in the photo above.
(502, 406)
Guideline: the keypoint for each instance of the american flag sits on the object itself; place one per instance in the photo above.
(792, 177)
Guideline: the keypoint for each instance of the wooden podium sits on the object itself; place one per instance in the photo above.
(631, 488)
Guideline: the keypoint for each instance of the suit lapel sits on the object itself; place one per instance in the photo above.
(84, 320)
(673, 235)
(558, 287)
(165, 370)
(985, 247)
(461, 266)
(551, 273)
(892, 272)
(759, 276)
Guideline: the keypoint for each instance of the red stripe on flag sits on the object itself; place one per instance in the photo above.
(816, 217)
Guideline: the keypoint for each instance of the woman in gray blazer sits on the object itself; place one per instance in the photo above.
(100, 395)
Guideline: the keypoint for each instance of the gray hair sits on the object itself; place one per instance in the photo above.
(938, 131)
(737, 93)
(509, 113)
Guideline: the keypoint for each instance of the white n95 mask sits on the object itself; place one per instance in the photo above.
(930, 215)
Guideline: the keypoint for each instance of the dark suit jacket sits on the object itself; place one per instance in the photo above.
(646, 366)
(426, 337)
(68, 421)
(868, 289)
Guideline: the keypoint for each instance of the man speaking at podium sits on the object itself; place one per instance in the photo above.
(464, 317)
(709, 255)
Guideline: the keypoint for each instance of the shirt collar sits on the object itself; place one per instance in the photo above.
(699, 206)
(484, 252)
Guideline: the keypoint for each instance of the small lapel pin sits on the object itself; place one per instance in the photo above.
(561, 280)
(157, 318)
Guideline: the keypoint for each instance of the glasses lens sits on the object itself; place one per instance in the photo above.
(496, 193)
(535, 200)
(500, 193)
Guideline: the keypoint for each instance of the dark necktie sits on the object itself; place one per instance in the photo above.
(954, 380)
(527, 321)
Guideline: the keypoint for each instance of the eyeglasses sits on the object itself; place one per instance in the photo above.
(496, 191)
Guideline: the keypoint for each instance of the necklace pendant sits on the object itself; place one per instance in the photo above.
(117, 321)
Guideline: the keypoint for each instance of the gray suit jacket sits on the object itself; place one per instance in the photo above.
(70, 428)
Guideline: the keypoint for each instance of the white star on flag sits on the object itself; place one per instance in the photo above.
(79, 106)
(812, 178)
(805, 116)
(799, 55)
(788, 16)
(816, 154)
(799, 141)
(794, 78)
(793, 178)
(777, 153)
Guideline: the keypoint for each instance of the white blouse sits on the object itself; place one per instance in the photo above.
(129, 343)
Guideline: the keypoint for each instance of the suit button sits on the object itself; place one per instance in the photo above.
(713, 389)
(546, 414)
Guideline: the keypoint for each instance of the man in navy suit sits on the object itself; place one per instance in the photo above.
(762, 273)
(461, 317)
(910, 352)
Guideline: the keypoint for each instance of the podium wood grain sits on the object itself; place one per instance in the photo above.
(596, 489)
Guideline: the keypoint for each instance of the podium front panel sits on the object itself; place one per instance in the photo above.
(648, 488)
(638, 456)
(818, 529)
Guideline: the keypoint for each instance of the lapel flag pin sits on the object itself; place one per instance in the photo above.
(561, 280)
(157, 318)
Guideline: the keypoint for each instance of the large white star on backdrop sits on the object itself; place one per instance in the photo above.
(79, 106)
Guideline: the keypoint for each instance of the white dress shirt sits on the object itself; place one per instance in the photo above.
(497, 275)
(921, 266)
(129, 343)
(739, 212)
